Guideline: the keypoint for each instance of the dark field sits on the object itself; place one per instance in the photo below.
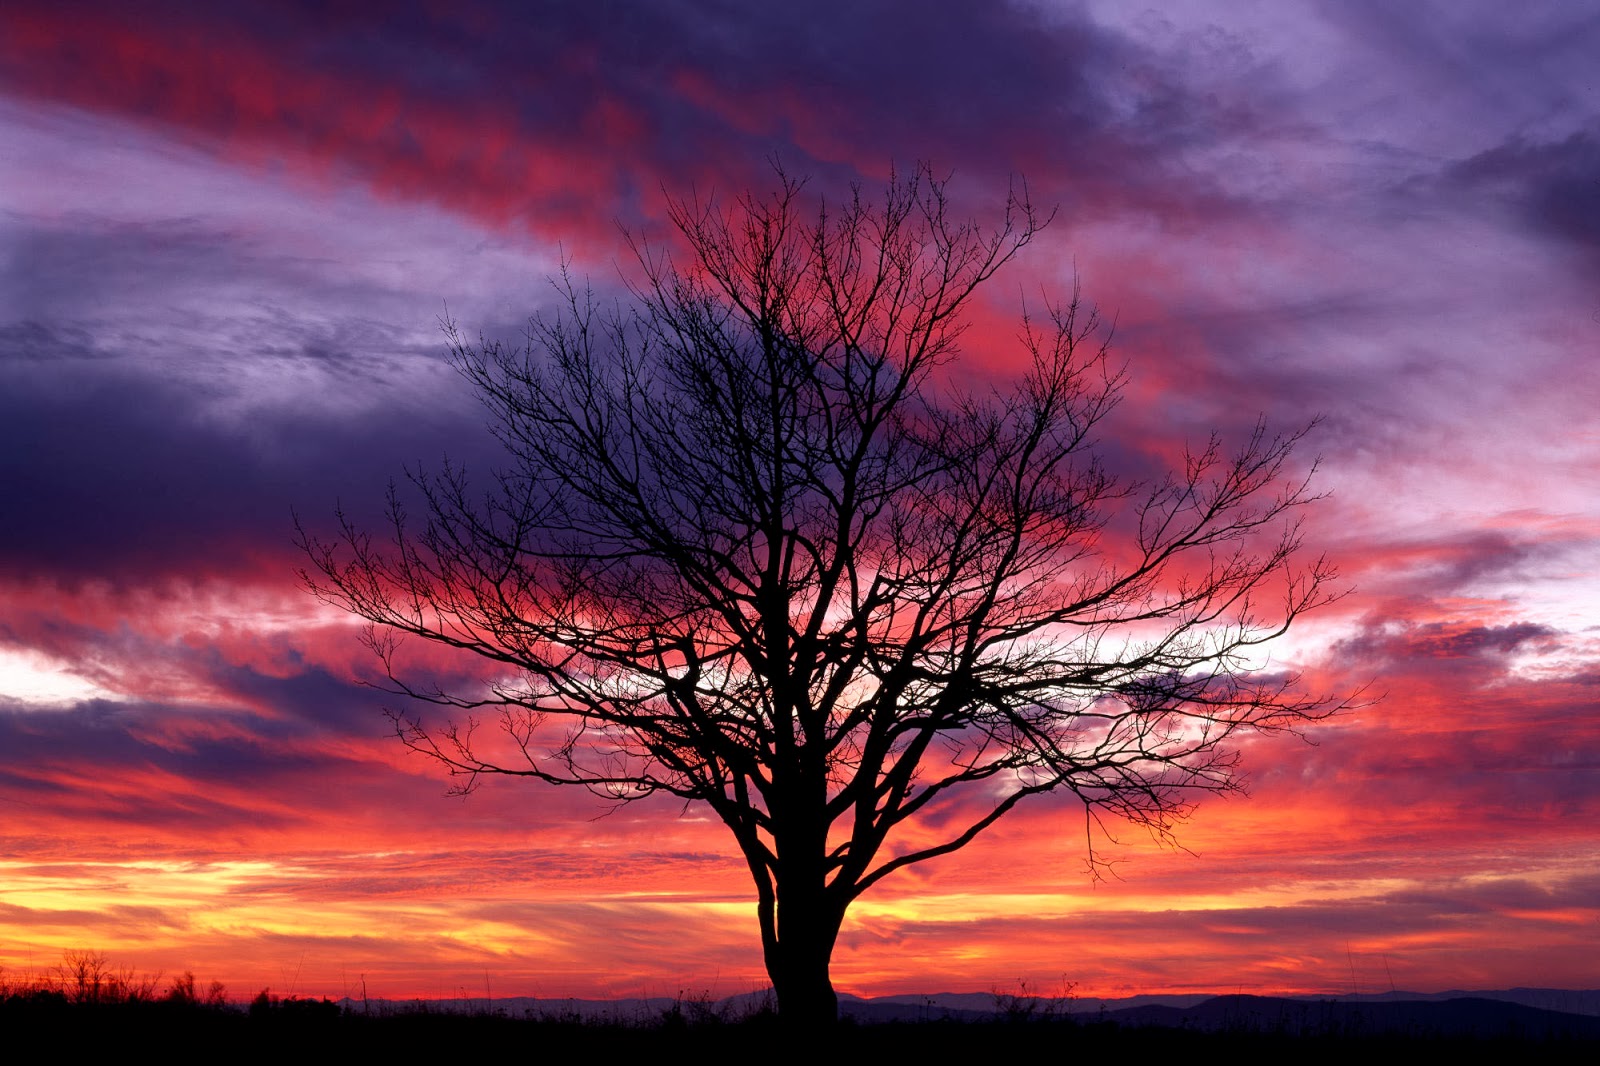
(1230, 1025)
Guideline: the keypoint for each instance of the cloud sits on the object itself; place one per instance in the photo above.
(553, 120)
(1548, 187)
(1385, 646)
(122, 472)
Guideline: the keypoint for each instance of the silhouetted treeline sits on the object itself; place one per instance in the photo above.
(325, 1028)
(96, 1005)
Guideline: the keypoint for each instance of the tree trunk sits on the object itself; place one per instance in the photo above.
(807, 926)
(800, 930)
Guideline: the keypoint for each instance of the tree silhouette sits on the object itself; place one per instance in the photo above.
(756, 549)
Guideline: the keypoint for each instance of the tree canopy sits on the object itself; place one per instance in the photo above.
(756, 546)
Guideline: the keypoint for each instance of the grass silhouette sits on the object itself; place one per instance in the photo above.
(98, 1006)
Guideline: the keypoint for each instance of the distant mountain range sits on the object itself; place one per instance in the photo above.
(1521, 1012)
(1525, 1012)
(1568, 1001)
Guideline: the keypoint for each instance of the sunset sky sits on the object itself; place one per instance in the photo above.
(228, 234)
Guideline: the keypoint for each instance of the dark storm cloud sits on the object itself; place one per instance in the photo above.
(192, 768)
(118, 737)
(300, 697)
(93, 287)
(1440, 640)
(144, 783)
(172, 390)
(80, 260)
(124, 471)
(1453, 562)
(508, 113)
(115, 477)
(1508, 102)
(119, 477)
(1552, 188)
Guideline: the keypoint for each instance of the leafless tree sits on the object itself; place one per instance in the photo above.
(755, 548)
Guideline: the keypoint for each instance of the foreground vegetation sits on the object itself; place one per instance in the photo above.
(322, 1029)
(96, 1006)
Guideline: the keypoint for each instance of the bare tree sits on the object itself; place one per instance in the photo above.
(755, 549)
